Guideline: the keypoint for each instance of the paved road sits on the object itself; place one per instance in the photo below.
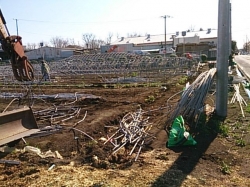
(243, 62)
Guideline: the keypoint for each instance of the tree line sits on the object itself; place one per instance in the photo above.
(89, 41)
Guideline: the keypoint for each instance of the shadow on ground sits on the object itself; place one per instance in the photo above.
(189, 156)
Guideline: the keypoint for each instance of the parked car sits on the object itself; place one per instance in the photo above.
(187, 55)
(170, 50)
(141, 52)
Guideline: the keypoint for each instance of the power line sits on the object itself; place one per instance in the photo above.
(98, 22)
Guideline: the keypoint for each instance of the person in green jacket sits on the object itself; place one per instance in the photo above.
(45, 71)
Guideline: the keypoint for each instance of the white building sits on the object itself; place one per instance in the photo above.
(49, 53)
(153, 42)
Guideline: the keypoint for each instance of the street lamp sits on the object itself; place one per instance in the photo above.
(165, 29)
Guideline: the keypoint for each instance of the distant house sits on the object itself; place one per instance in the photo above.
(157, 42)
(49, 53)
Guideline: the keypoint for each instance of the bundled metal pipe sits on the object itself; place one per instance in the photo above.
(192, 100)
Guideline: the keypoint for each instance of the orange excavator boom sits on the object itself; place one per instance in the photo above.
(12, 45)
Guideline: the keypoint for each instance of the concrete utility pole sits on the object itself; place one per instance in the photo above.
(16, 27)
(230, 28)
(222, 58)
(165, 31)
(246, 43)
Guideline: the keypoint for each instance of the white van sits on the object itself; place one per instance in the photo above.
(170, 50)
(141, 52)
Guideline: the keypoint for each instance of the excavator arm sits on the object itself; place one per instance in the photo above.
(12, 45)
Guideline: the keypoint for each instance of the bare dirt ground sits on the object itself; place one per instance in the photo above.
(220, 158)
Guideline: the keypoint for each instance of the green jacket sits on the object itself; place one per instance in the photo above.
(45, 68)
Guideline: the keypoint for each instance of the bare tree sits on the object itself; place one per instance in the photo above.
(109, 38)
(31, 46)
(28, 46)
(59, 42)
(71, 41)
(246, 46)
(117, 35)
(56, 42)
(97, 43)
(88, 40)
(100, 42)
(65, 43)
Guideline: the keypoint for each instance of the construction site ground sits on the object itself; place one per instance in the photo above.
(220, 158)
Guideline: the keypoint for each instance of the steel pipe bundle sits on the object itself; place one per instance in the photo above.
(192, 100)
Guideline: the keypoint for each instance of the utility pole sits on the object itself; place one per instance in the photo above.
(222, 58)
(230, 28)
(183, 33)
(246, 44)
(16, 27)
(165, 31)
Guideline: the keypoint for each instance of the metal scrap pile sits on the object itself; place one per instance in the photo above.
(104, 63)
(132, 133)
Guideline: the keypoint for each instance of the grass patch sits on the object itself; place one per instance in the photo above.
(183, 80)
(248, 109)
(150, 99)
(223, 130)
(225, 169)
(240, 143)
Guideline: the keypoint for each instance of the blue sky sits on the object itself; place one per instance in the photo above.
(70, 19)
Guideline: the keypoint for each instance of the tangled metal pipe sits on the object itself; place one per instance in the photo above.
(58, 115)
(81, 64)
(133, 130)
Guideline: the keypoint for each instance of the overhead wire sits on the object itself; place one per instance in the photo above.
(84, 22)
